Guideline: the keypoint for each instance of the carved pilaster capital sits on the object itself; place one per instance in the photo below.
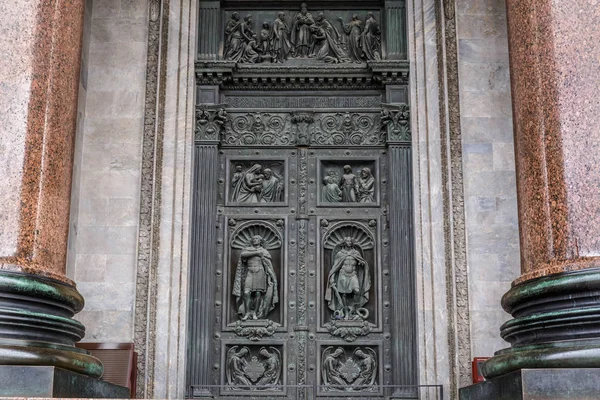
(395, 121)
(210, 122)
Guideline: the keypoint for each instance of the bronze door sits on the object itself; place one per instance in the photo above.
(301, 270)
(302, 254)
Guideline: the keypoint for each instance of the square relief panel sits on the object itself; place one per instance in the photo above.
(253, 369)
(256, 182)
(349, 370)
(348, 183)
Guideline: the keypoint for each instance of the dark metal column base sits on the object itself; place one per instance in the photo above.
(21, 381)
(556, 324)
(537, 384)
(36, 325)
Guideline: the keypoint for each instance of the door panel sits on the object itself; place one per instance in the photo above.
(316, 309)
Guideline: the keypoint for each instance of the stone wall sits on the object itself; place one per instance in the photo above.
(488, 167)
(106, 184)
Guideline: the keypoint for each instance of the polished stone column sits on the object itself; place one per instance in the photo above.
(555, 72)
(39, 77)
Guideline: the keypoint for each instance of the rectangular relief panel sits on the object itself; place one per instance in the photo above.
(349, 277)
(292, 35)
(256, 370)
(350, 371)
(255, 275)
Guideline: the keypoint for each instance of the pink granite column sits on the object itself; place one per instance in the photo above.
(555, 73)
(40, 43)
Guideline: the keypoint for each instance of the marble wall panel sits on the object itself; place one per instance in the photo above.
(106, 180)
(488, 167)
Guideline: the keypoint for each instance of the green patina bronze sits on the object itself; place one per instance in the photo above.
(38, 330)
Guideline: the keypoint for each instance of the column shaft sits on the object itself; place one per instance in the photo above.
(554, 50)
(39, 77)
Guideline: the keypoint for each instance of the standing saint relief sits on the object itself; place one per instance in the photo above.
(303, 36)
(348, 282)
(255, 285)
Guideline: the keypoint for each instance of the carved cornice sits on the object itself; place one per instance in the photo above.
(369, 75)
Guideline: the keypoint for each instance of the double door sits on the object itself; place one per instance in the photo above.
(302, 285)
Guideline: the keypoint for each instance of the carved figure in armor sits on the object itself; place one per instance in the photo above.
(235, 38)
(368, 368)
(327, 44)
(331, 191)
(348, 283)
(349, 185)
(301, 33)
(272, 363)
(251, 52)
(281, 43)
(266, 39)
(237, 362)
(331, 367)
(272, 187)
(371, 38)
(247, 190)
(353, 30)
(255, 285)
(366, 186)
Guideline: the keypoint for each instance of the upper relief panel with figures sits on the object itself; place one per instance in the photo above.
(302, 35)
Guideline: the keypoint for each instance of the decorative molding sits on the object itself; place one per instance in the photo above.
(349, 330)
(150, 197)
(369, 75)
(255, 331)
(300, 101)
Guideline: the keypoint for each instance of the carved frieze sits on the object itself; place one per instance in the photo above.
(304, 128)
(299, 101)
(303, 35)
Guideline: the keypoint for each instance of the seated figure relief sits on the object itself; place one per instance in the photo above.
(303, 36)
(350, 188)
(256, 185)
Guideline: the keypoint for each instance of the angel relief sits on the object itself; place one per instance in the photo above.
(345, 371)
(246, 371)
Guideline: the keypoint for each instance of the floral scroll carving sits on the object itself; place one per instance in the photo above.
(304, 128)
